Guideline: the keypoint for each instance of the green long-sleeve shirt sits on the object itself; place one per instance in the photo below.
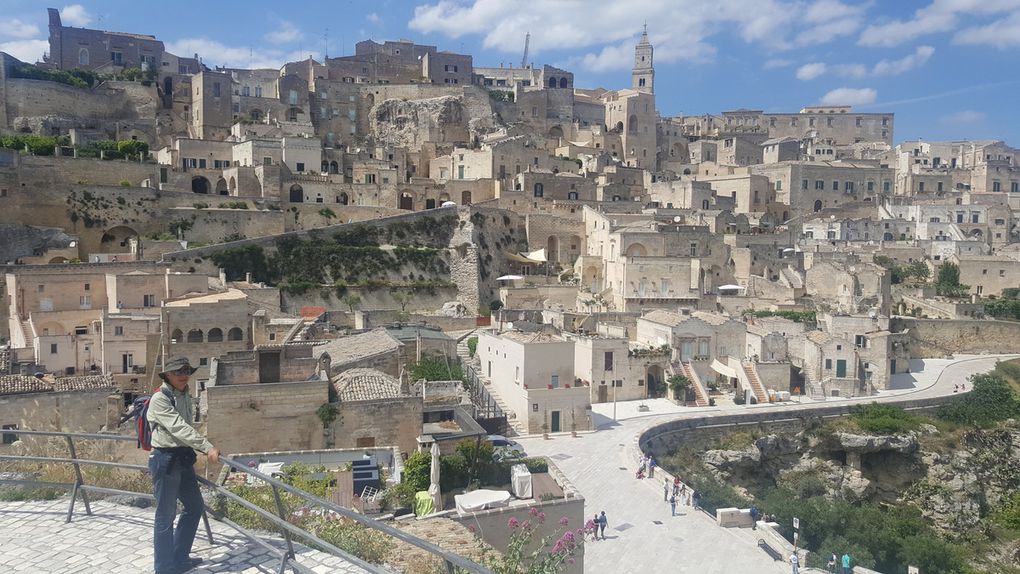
(172, 422)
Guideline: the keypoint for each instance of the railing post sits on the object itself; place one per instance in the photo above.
(286, 534)
(77, 482)
(208, 529)
(450, 568)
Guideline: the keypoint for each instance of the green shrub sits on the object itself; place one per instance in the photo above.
(418, 471)
(883, 419)
(1008, 514)
(990, 401)
(472, 345)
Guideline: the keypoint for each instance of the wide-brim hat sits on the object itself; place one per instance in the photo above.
(177, 366)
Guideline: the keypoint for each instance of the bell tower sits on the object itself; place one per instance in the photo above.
(643, 74)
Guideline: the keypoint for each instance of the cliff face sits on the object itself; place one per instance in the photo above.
(956, 480)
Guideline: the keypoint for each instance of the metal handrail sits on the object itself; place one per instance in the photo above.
(451, 561)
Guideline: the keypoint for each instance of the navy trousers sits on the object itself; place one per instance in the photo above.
(173, 479)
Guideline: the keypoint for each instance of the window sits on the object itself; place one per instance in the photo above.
(216, 89)
(819, 184)
(118, 331)
(203, 361)
(885, 186)
(996, 186)
(10, 438)
(80, 330)
(1014, 187)
(920, 186)
(53, 348)
(246, 91)
(292, 97)
(300, 167)
(539, 190)
(117, 57)
(608, 361)
(828, 364)
(694, 249)
(555, 381)
(803, 184)
(871, 186)
(148, 300)
(849, 186)
(835, 185)
(779, 185)
(258, 91)
(85, 301)
(40, 288)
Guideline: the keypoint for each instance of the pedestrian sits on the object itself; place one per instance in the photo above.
(593, 526)
(602, 524)
(672, 505)
(846, 564)
(676, 486)
(754, 517)
(956, 388)
(695, 498)
(665, 489)
(172, 466)
(832, 563)
(795, 562)
(651, 467)
(685, 495)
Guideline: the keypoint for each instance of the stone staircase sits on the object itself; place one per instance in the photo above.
(752, 378)
(813, 389)
(472, 362)
(700, 394)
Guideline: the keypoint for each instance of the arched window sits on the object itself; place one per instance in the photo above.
(632, 127)
(297, 194)
(177, 336)
(539, 190)
(343, 199)
(215, 335)
(325, 166)
(818, 205)
(563, 82)
(195, 336)
(83, 57)
(235, 334)
(552, 82)
(704, 204)
(334, 167)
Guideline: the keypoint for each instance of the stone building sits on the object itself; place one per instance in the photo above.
(375, 410)
(74, 404)
(98, 50)
(204, 327)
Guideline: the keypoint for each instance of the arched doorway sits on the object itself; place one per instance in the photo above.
(221, 187)
(297, 194)
(636, 250)
(818, 205)
(465, 197)
(118, 239)
(406, 201)
(199, 184)
(552, 249)
(555, 132)
(334, 167)
(343, 198)
(232, 186)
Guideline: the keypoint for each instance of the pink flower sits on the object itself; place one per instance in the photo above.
(533, 511)
(564, 521)
(541, 517)
(526, 525)
(513, 522)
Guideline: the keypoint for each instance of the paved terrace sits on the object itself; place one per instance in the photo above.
(117, 539)
(642, 536)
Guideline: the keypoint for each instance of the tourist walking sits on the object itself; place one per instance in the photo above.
(695, 498)
(685, 496)
(846, 564)
(665, 489)
(651, 467)
(672, 505)
(754, 517)
(676, 486)
(602, 524)
(172, 466)
(795, 563)
(832, 564)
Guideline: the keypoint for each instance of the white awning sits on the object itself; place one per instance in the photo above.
(723, 369)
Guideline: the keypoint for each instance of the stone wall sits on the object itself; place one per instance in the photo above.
(74, 411)
(266, 417)
(383, 422)
(941, 337)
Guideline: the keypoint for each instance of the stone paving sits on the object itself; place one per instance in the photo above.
(642, 536)
(117, 539)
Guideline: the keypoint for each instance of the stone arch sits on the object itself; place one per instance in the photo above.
(563, 83)
(334, 167)
(406, 201)
(465, 197)
(119, 236)
(177, 336)
(977, 233)
(556, 132)
(818, 205)
(215, 335)
(50, 328)
(57, 260)
(687, 171)
(619, 127)
(199, 184)
(297, 194)
(575, 247)
(887, 236)
(235, 334)
(444, 197)
(195, 336)
(654, 379)
(221, 187)
(632, 124)
(636, 250)
(83, 57)
(552, 249)
(232, 186)
(343, 198)
(552, 82)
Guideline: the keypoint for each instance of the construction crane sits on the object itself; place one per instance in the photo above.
(527, 40)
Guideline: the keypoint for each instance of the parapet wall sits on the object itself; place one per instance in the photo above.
(941, 337)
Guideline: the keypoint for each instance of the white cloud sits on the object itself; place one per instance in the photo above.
(856, 71)
(30, 51)
(215, 53)
(75, 15)
(849, 97)
(939, 16)
(811, 71)
(963, 117)
(287, 33)
(681, 30)
(17, 29)
(905, 64)
(374, 19)
(776, 63)
(1002, 33)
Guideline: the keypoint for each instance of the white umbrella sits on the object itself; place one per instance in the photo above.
(509, 278)
(437, 499)
(730, 287)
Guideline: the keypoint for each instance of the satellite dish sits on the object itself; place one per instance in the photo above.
(677, 219)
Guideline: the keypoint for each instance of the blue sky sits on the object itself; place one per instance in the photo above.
(949, 69)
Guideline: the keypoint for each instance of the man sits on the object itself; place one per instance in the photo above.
(795, 562)
(672, 505)
(665, 489)
(602, 524)
(846, 563)
(754, 517)
(172, 465)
